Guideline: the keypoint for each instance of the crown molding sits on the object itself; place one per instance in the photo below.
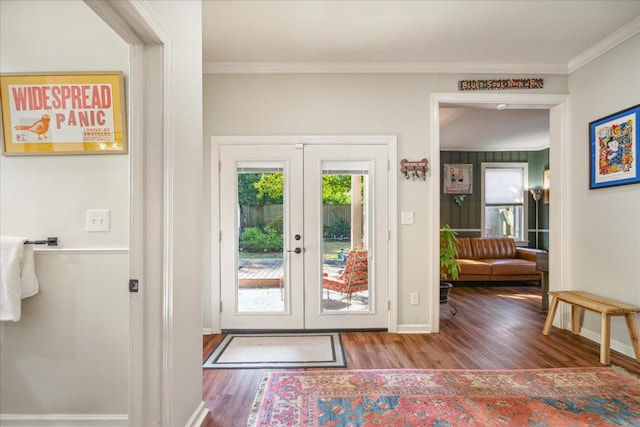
(605, 45)
(378, 67)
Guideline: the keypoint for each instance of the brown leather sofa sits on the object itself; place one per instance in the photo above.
(495, 259)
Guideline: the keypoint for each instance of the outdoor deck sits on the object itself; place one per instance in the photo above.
(266, 273)
(260, 273)
(259, 287)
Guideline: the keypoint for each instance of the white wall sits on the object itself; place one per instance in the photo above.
(604, 235)
(68, 353)
(346, 104)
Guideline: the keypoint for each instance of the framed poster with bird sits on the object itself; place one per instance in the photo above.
(63, 113)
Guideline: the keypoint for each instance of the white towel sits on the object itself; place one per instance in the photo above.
(17, 276)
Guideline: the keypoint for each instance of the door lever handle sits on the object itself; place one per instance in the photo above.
(296, 250)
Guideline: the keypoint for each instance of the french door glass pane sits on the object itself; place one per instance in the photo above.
(260, 250)
(346, 236)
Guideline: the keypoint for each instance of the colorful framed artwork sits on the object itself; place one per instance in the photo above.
(60, 113)
(458, 178)
(614, 149)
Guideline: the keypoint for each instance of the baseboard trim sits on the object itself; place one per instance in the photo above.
(414, 329)
(199, 416)
(64, 420)
(615, 345)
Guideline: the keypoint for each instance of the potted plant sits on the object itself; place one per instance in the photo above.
(449, 265)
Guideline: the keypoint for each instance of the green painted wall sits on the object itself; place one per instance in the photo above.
(467, 216)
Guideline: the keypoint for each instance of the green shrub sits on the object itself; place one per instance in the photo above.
(277, 225)
(254, 239)
(340, 227)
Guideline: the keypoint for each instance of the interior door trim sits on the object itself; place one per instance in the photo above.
(391, 141)
(559, 157)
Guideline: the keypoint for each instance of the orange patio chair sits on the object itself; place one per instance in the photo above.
(354, 277)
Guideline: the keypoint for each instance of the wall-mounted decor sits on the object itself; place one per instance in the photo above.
(63, 113)
(414, 169)
(458, 178)
(500, 84)
(614, 149)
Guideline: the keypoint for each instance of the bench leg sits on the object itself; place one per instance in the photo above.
(550, 315)
(605, 339)
(633, 333)
(575, 319)
(545, 292)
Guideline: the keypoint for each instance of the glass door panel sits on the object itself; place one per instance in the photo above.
(260, 249)
(261, 213)
(346, 227)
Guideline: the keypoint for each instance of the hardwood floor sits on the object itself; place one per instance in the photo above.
(495, 328)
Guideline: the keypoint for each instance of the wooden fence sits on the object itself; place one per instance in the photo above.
(259, 216)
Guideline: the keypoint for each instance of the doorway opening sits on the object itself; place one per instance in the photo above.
(555, 105)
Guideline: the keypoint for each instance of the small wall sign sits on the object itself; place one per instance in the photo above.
(501, 84)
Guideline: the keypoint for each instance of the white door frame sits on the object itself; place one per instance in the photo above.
(558, 159)
(389, 140)
(150, 367)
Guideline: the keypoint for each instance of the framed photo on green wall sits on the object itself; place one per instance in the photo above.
(458, 178)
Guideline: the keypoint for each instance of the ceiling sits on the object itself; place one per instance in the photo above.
(542, 37)
(544, 34)
(465, 129)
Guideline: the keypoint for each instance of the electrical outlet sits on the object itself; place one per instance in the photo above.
(415, 298)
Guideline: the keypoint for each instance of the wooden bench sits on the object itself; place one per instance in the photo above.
(606, 308)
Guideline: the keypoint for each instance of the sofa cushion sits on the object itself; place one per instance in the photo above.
(491, 248)
(508, 267)
(474, 267)
(464, 248)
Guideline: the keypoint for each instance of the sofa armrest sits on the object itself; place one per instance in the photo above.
(528, 254)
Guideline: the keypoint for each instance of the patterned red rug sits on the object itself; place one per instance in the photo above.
(540, 397)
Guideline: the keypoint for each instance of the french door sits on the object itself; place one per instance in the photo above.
(304, 236)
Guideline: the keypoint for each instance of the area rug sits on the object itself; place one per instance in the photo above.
(541, 397)
(260, 351)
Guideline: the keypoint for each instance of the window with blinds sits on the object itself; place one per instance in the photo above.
(504, 209)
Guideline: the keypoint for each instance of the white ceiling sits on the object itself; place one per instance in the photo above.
(506, 36)
(464, 129)
(541, 35)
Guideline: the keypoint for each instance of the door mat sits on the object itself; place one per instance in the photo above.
(278, 350)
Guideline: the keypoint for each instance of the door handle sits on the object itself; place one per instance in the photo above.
(296, 250)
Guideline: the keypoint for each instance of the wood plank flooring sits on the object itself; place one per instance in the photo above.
(496, 327)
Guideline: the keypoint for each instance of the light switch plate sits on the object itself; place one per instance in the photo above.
(406, 218)
(98, 220)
